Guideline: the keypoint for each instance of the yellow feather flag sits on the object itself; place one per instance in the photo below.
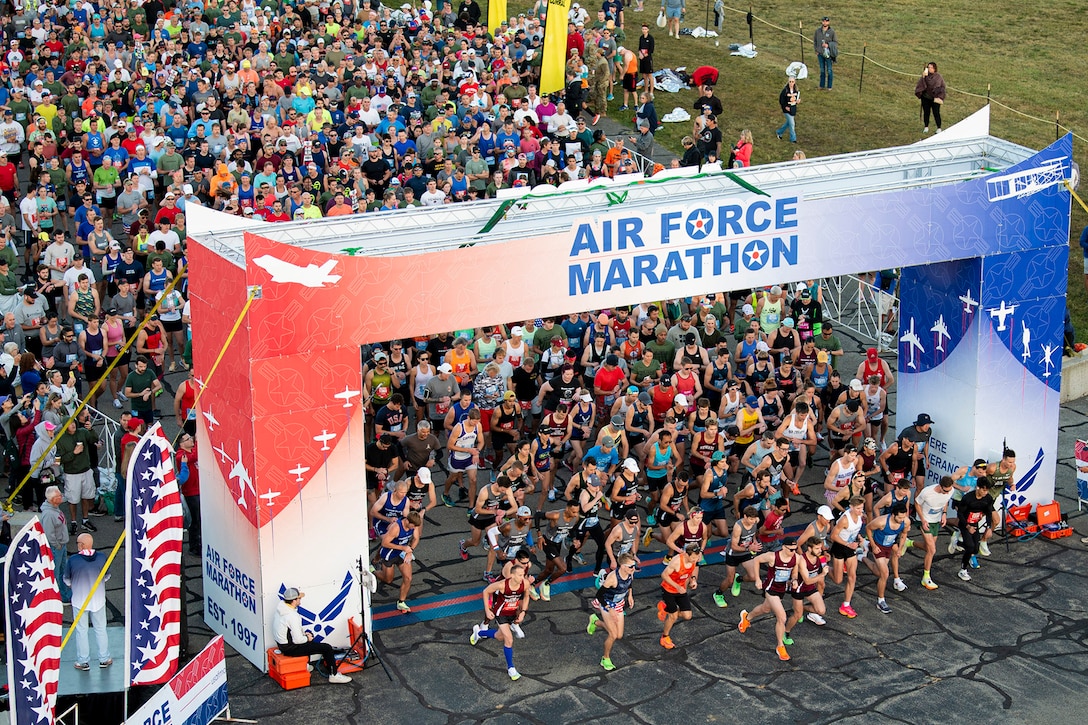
(553, 64)
(496, 13)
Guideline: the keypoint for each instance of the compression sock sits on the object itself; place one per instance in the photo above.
(925, 574)
(508, 652)
(487, 633)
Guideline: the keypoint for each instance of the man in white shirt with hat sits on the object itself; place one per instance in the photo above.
(294, 642)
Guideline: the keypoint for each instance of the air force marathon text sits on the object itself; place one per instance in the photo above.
(620, 251)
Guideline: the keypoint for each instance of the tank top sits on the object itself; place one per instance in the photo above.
(398, 370)
(806, 358)
(777, 579)
(705, 446)
(423, 374)
(627, 540)
(847, 420)
(582, 415)
(465, 439)
(822, 533)
(84, 303)
(516, 539)
(886, 536)
(509, 599)
(403, 537)
(641, 419)
(748, 418)
(461, 365)
(719, 376)
(872, 404)
(820, 379)
(615, 596)
(115, 337)
(729, 407)
(887, 509)
(853, 528)
(675, 501)
(758, 499)
(542, 459)
(685, 385)
(796, 431)
(553, 425)
(878, 371)
(698, 424)
(395, 511)
(770, 317)
(154, 342)
(94, 342)
(747, 350)
(812, 568)
(717, 483)
(157, 280)
(845, 474)
(661, 457)
(676, 582)
(760, 453)
(747, 536)
(417, 492)
(487, 347)
(776, 467)
(558, 531)
(687, 536)
(514, 355)
(508, 420)
(381, 386)
(1000, 479)
(899, 463)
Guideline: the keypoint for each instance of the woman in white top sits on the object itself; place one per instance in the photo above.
(417, 382)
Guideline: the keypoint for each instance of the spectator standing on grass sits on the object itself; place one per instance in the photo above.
(931, 91)
(827, 50)
(674, 10)
(788, 100)
(646, 60)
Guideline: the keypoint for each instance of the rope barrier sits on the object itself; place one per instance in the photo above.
(8, 505)
(869, 59)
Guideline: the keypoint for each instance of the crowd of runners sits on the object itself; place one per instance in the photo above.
(600, 437)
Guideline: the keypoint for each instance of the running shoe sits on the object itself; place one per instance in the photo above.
(88, 526)
(403, 606)
(517, 630)
(974, 562)
(534, 594)
(816, 619)
(651, 520)
(579, 558)
(719, 599)
(929, 583)
(983, 548)
(463, 550)
(514, 674)
(490, 577)
(591, 628)
(546, 592)
(624, 107)
(744, 623)
(782, 653)
(795, 489)
(82, 666)
(735, 591)
(551, 494)
(787, 640)
(607, 664)
(611, 97)
(964, 575)
(117, 404)
(883, 606)
(666, 642)
(648, 536)
(447, 501)
(847, 611)
(910, 543)
(953, 546)
(105, 663)
(596, 118)
(661, 611)
(475, 637)
(899, 585)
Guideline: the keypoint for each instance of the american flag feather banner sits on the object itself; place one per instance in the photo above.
(34, 616)
(154, 526)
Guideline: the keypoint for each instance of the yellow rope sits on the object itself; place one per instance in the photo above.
(98, 581)
(1074, 193)
(7, 505)
(226, 344)
(870, 59)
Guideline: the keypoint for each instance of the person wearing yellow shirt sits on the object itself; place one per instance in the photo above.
(308, 210)
(47, 109)
(317, 118)
(442, 120)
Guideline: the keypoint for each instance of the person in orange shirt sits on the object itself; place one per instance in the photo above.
(612, 157)
(628, 64)
(677, 581)
(340, 206)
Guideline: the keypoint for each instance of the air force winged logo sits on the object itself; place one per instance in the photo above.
(323, 623)
(309, 276)
(1025, 482)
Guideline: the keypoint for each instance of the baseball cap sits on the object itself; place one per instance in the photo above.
(718, 455)
(525, 511)
(290, 594)
(645, 398)
(445, 368)
(517, 331)
(821, 356)
(680, 399)
(509, 395)
(586, 397)
(134, 423)
(751, 401)
(855, 384)
(608, 441)
(631, 465)
(871, 353)
(617, 420)
(748, 310)
(50, 426)
(825, 511)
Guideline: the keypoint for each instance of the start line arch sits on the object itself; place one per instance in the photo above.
(979, 225)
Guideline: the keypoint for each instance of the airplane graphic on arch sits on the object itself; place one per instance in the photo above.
(324, 439)
(1001, 314)
(941, 331)
(915, 344)
(297, 471)
(969, 303)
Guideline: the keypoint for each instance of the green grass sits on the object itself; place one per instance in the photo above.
(1025, 51)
